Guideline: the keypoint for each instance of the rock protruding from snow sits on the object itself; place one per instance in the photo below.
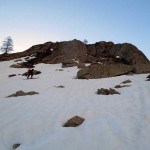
(22, 93)
(15, 146)
(74, 122)
(110, 91)
(126, 81)
(121, 86)
(11, 75)
(102, 71)
(60, 86)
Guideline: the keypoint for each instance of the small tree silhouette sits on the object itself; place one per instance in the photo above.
(85, 41)
(7, 45)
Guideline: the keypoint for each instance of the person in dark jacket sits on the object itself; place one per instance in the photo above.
(30, 73)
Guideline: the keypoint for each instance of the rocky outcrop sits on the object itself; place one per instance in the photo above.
(101, 71)
(126, 57)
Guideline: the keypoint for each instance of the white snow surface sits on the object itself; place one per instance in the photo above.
(112, 122)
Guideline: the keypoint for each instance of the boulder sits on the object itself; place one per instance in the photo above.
(15, 146)
(102, 71)
(68, 63)
(74, 122)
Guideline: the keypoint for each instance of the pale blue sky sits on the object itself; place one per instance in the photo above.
(31, 22)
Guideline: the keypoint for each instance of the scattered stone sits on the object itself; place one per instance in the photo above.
(60, 86)
(59, 70)
(74, 122)
(11, 75)
(21, 93)
(109, 91)
(121, 86)
(15, 146)
(126, 81)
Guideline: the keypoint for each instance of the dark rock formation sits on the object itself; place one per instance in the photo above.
(110, 91)
(101, 71)
(74, 122)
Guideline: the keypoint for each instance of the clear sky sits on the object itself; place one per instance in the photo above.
(31, 22)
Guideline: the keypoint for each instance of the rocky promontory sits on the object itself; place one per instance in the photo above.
(106, 59)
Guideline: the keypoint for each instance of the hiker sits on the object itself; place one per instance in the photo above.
(30, 73)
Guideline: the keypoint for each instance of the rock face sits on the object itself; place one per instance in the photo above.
(126, 57)
(101, 71)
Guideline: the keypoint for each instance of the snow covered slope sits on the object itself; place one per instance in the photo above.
(112, 122)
